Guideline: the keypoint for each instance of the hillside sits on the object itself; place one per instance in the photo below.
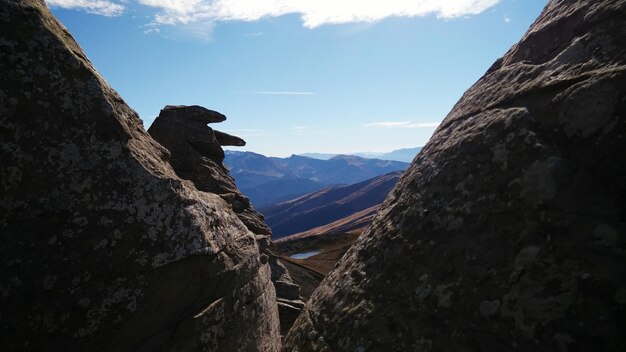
(356, 222)
(328, 205)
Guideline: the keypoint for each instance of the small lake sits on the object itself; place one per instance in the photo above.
(304, 255)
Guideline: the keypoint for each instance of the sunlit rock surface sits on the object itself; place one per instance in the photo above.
(508, 231)
(102, 246)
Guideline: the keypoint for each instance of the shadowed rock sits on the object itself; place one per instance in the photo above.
(290, 303)
(196, 155)
(226, 139)
(182, 135)
(508, 231)
(103, 247)
(193, 113)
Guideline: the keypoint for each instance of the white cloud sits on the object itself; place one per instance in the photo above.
(281, 93)
(424, 125)
(255, 34)
(152, 30)
(98, 7)
(314, 13)
(402, 124)
(507, 19)
(387, 124)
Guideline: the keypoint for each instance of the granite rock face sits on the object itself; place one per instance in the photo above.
(103, 247)
(508, 232)
(196, 155)
(288, 297)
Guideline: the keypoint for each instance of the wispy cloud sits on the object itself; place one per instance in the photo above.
(402, 124)
(314, 13)
(255, 34)
(152, 30)
(98, 7)
(265, 92)
(507, 19)
(424, 125)
(387, 124)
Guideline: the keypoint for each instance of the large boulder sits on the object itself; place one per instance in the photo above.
(508, 232)
(103, 246)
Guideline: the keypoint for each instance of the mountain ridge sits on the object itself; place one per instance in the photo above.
(403, 154)
(271, 180)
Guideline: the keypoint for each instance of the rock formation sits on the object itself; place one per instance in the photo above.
(508, 231)
(290, 303)
(196, 155)
(103, 247)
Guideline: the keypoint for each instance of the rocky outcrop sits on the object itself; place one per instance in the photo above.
(103, 247)
(507, 233)
(196, 155)
(290, 303)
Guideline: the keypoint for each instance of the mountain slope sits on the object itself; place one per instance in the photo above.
(356, 223)
(327, 205)
(281, 190)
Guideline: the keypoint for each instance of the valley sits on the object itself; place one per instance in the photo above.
(309, 272)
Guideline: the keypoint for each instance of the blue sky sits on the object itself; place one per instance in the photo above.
(296, 76)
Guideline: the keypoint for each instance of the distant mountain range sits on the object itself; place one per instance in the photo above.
(355, 204)
(404, 155)
(270, 180)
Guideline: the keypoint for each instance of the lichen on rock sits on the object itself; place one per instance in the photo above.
(103, 246)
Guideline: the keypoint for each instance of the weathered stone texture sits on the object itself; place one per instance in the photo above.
(508, 232)
(196, 155)
(290, 303)
(103, 247)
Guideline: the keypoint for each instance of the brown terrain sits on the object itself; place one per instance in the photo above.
(356, 222)
(332, 239)
(308, 273)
